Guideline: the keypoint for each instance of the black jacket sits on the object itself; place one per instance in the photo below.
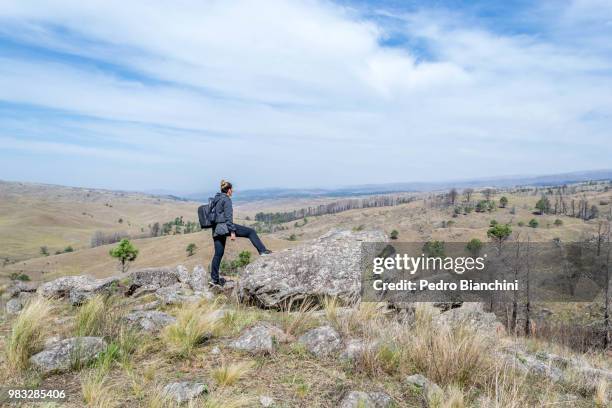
(224, 214)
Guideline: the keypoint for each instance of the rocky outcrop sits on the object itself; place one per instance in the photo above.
(360, 399)
(16, 304)
(473, 315)
(321, 341)
(262, 338)
(20, 287)
(171, 285)
(149, 320)
(184, 391)
(329, 265)
(77, 289)
(64, 354)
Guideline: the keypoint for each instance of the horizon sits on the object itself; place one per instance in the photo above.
(145, 96)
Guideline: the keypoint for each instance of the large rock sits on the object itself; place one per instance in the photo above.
(175, 294)
(262, 338)
(473, 315)
(184, 391)
(149, 320)
(329, 265)
(16, 304)
(20, 287)
(321, 341)
(76, 288)
(355, 348)
(155, 277)
(65, 354)
(199, 279)
(360, 399)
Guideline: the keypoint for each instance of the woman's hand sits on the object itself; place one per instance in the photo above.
(233, 236)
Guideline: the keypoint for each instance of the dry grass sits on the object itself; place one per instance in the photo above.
(195, 323)
(297, 315)
(91, 316)
(27, 334)
(229, 374)
(600, 397)
(223, 400)
(96, 391)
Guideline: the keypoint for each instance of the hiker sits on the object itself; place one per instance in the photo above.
(223, 214)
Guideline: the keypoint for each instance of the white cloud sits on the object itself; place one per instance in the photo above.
(278, 79)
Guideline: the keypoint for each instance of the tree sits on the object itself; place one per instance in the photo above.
(474, 247)
(434, 249)
(503, 202)
(594, 212)
(125, 252)
(533, 223)
(499, 233)
(191, 248)
(44, 251)
(467, 193)
(452, 196)
(543, 205)
(488, 193)
(394, 234)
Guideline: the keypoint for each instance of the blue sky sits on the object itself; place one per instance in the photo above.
(146, 95)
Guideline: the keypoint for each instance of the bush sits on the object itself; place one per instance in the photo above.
(394, 234)
(558, 222)
(503, 202)
(533, 223)
(191, 248)
(474, 246)
(521, 223)
(27, 334)
(19, 276)
(292, 237)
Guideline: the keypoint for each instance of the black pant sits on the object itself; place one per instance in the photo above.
(242, 232)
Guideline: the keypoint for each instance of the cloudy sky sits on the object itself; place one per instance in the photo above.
(175, 95)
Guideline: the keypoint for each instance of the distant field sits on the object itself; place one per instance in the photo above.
(35, 215)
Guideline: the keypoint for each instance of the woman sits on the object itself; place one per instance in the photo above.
(224, 218)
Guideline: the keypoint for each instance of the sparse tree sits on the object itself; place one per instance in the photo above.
(594, 212)
(543, 205)
(488, 193)
(394, 234)
(499, 233)
(503, 202)
(125, 252)
(191, 248)
(474, 247)
(452, 196)
(467, 193)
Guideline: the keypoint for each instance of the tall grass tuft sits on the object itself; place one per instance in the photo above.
(91, 316)
(195, 323)
(228, 374)
(96, 392)
(27, 334)
(296, 315)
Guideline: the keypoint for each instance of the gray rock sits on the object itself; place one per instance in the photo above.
(76, 288)
(147, 306)
(176, 293)
(159, 277)
(472, 314)
(199, 279)
(215, 351)
(49, 342)
(182, 274)
(321, 341)
(149, 320)
(266, 401)
(65, 354)
(360, 399)
(13, 306)
(145, 290)
(262, 338)
(423, 384)
(20, 287)
(329, 265)
(355, 348)
(184, 391)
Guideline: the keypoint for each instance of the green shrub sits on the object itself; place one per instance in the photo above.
(533, 223)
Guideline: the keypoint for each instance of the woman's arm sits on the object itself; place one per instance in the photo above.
(228, 211)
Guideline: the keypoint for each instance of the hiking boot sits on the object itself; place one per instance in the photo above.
(219, 282)
(266, 252)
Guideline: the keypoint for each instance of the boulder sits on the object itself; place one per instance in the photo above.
(76, 288)
(20, 287)
(184, 391)
(423, 385)
(149, 320)
(16, 304)
(64, 354)
(199, 279)
(159, 277)
(360, 399)
(182, 274)
(472, 314)
(262, 338)
(355, 348)
(321, 341)
(329, 265)
(175, 294)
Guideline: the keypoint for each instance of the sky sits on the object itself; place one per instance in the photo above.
(158, 95)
